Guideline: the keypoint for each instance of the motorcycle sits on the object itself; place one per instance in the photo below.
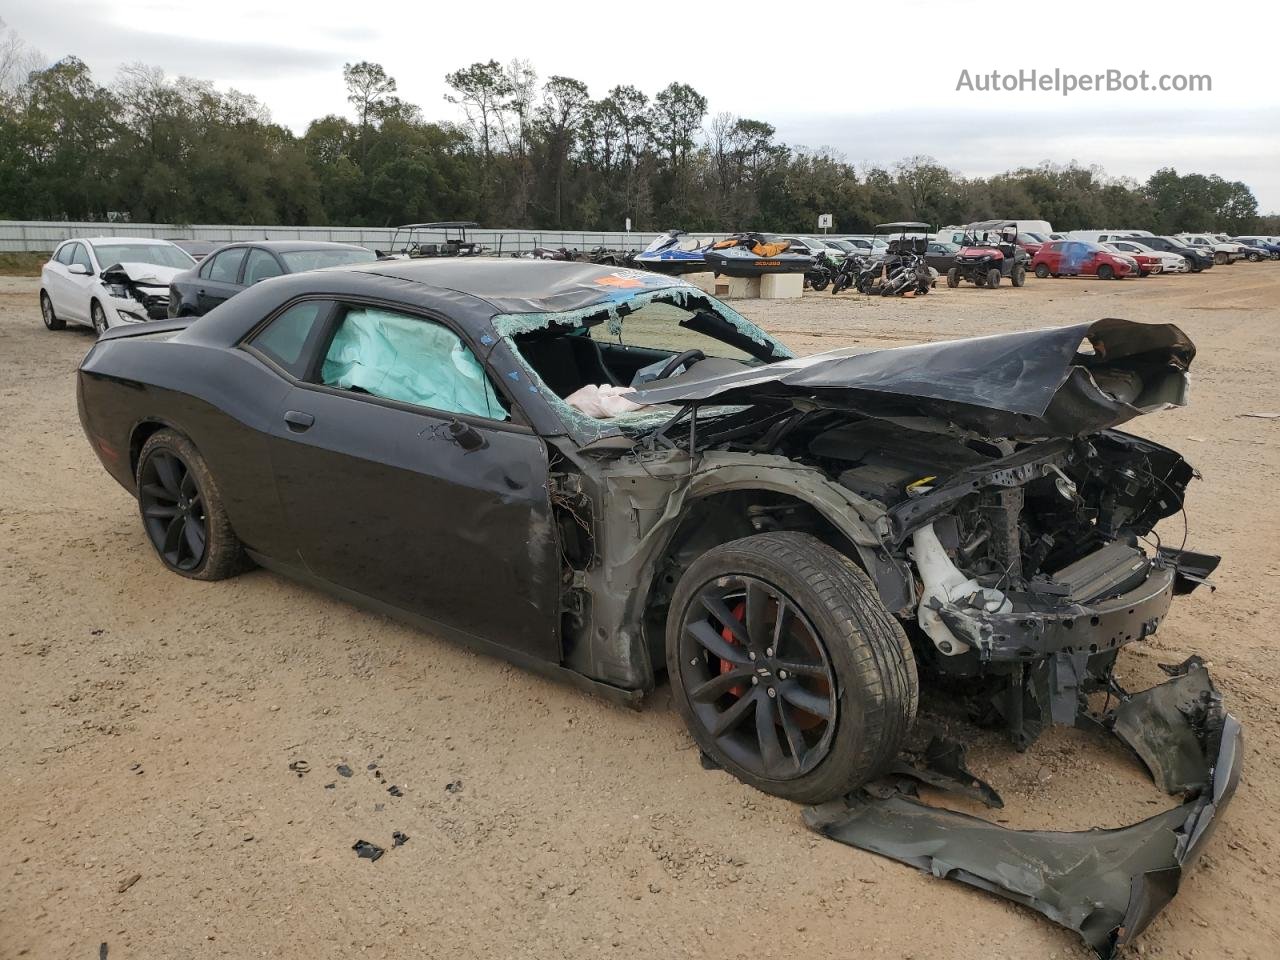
(900, 274)
(824, 270)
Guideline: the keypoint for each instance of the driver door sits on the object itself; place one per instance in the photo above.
(406, 478)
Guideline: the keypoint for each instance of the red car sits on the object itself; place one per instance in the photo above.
(1069, 258)
(1030, 242)
(1148, 263)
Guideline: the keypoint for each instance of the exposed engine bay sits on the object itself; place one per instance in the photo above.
(141, 290)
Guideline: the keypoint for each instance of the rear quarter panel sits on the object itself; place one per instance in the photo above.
(224, 400)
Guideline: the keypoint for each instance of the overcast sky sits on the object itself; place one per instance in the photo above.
(877, 84)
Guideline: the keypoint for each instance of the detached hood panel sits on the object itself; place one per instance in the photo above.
(1033, 384)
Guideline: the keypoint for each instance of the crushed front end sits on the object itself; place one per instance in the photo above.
(138, 291)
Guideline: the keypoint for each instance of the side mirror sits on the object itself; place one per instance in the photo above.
(79, 269)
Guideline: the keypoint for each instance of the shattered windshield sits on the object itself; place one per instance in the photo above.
(160, 254)
(608, 349)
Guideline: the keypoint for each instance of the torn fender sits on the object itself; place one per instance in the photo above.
(1107, 885)
(1036, 383)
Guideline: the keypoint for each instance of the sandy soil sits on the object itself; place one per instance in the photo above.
(147, 723)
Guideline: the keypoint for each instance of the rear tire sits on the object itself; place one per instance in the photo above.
(182, 511)
(51, 320)
(1019, 276)
(1042, 271)
(827, 737)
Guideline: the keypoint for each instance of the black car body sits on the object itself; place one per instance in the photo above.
(792, 540)
(941, 255)
(233, 267)
(1197, 260)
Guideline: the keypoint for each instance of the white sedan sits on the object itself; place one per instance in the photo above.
(1170, 262)
(107, 281)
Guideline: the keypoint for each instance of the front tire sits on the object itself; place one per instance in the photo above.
(182, 511)
(993, 277)
(1106, 272)
(1220, 258)
(51, 320)
(953, 277)
(99, 318)
(787, 668)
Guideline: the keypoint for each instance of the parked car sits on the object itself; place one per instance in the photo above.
(1149, 262)
(1197, 258)
(868, 246)
(1253, 252)
(1271, 245)
(1030, 242)
(1105, 236)
(199, 249)
(235, 266)
(941, 255)
(1070, 258)
(808, 246)
(403, 434)
(105, 281)
(1223, 251)
(1140, 251)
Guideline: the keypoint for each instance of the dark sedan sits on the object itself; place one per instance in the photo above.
(234, 267)
(1196, 259)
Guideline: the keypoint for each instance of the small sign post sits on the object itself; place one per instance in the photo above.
(824, 221)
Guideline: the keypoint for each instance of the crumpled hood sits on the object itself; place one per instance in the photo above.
(1032, 384)
(145, 274)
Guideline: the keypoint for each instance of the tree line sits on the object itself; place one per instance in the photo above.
(522, 152)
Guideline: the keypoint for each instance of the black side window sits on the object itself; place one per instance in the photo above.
(225, 267)
(285, 338)
(260, 266)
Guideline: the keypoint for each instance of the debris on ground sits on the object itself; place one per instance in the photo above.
(395, 791)
(454, 786)
(399, 839)
(344, 770)
(1107, 885)
(370, 851)
(300, 767)
(128, 882)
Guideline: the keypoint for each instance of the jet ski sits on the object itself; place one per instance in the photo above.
(752, 255)
(674, 252)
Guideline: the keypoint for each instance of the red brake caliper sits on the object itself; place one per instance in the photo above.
(725, 666)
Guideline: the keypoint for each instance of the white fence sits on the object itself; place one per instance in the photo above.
(44, 235)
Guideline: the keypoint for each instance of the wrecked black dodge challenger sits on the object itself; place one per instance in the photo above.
(604, 474)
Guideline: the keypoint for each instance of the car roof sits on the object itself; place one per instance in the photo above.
(148, 241)
(514, 285)
(293, 246)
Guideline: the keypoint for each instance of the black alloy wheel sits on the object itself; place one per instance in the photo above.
(759, 679)
(173, 510)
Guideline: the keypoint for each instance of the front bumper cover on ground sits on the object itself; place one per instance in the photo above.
(1107, 885)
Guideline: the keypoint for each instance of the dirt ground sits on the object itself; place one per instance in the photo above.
(147, 723)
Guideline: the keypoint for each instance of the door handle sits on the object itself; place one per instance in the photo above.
(298, 421)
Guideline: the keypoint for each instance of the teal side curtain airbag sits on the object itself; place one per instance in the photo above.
(408, 359)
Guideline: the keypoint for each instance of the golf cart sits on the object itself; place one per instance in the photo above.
(988, 253)
(445, 239)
